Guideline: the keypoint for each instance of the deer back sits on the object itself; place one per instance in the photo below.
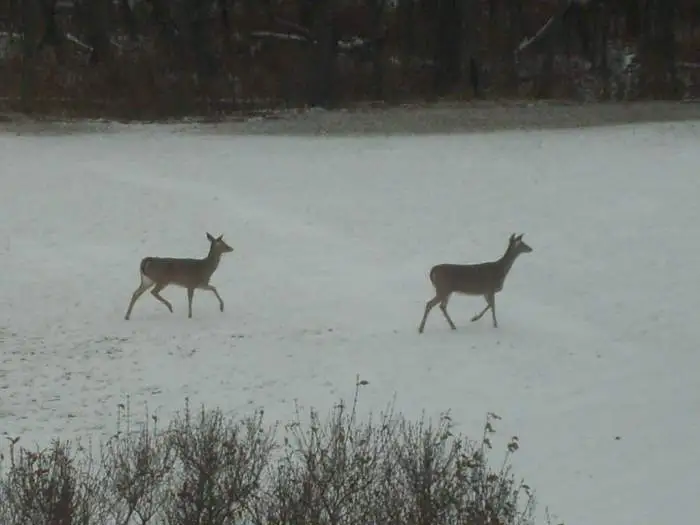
(189, 273)
(470, 279)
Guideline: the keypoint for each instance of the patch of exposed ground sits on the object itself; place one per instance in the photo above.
(408, 119)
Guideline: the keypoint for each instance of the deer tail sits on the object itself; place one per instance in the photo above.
(432, 274)
(145, 263)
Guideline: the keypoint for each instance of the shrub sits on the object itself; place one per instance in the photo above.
(205, 468)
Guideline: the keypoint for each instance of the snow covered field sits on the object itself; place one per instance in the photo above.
(594, 365)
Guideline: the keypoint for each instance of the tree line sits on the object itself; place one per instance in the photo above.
(155, 58)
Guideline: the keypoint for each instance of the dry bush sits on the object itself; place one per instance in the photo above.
(206, 468)
(219, 467)
(57, 486)
(136, 467)
(328, 471)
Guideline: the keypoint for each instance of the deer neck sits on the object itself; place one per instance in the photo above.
(212, 260)
(507, 260)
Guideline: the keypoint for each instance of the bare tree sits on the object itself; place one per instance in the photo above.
(448, 45)
(129, 19)
(658, 47)
(198, 14)
(377, 10)
(52, 36)
(318, 16)
(407, 30)
(30, 28)
(95, 18)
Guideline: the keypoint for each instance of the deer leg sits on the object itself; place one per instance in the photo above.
(215, 292)
(481, 314)
(156, 293)
(428, 306)
(491, 298)
(145, 285)
(443, 307)
(190, 295)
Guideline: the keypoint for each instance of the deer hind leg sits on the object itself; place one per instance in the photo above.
(146, 283)
(442, 301)
(156, 293)
(190, 295)
(215, 292)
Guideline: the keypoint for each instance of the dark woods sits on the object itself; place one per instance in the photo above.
(160, 58)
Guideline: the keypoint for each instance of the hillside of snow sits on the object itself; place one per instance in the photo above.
(594, 364)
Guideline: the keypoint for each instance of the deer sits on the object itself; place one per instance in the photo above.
(191, 274)
(484, 279)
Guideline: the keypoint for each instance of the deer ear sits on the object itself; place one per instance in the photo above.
(210, 238)
(512, 237)
(519, 237)
(220, 237)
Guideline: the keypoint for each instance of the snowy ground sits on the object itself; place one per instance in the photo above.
(333, 239)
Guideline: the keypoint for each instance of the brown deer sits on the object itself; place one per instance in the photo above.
(473, 279)
(191, 274)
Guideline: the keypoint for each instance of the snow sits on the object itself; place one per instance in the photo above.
(333, 240)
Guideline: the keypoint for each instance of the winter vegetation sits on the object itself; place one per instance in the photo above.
(205, 467)
(158, 58)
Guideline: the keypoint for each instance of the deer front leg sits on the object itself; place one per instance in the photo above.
(491, 298)
(156, 293)
(428, 306)
(481, 314)
(211, 288)
(190, 295)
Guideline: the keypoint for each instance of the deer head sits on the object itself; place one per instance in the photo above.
(218, 245)
(517, 245)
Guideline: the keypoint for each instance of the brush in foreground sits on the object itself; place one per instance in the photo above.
(191, 274)
(473, 279)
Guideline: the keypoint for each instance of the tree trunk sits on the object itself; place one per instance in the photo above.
(321, 89)
(658, 49)
(30, 29)
(407, 24)
(377, 8)
(668, 46)
(96, 16)
(471, 44)
(129, 19)
(162, 18)
(448, 48)
(603, 27)
(512, 36)
(52, 36)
